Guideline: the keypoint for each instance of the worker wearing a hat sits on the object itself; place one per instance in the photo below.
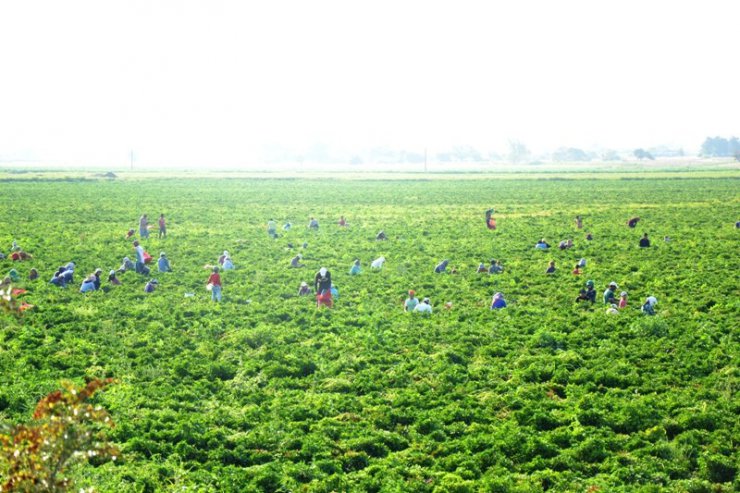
(411, 302)
(610, 296)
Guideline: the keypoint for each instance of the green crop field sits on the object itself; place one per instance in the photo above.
(265, 392)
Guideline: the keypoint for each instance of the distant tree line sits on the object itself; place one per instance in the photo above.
(721, 147)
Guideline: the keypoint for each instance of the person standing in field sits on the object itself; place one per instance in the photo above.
(355, 269)
(313, 224)
(162, 227)
(633, 222)
(272, 228)
(144, 227)
(322, 281)
(411, 302)
(214, 281)
(550, 267)
(113, 279)
(579, 222)
(490, 221)
(644, 241)
(140, 260)
(342, 222)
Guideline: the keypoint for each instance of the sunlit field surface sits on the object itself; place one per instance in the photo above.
(265, 392)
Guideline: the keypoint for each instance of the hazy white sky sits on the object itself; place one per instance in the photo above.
(217, 81)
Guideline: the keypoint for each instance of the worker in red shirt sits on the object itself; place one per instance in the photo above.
(214, 281)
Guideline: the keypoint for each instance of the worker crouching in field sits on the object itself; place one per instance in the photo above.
(151, 286)
(498, 301)
(113, 279)
(424, 307)
(649, 307)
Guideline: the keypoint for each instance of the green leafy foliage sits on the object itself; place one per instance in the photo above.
(265, 392)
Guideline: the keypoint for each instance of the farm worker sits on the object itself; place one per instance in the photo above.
(140, 259)
(550, 267)
(313, 224)
(644, 241)
(323, 299)
(20, 255)
(411, 301)
(272, 228)
(96, 276)
(542, 245)
(591, 291)
(633, 222)
(295, 262)
(582, 262)
(496, 267)
(342, 222)
(441, 267)
(287, 226)
(228, 264)
(14, 276)
(423, 307)
(609, 294)
(481, 268)
(214, 281)
(113, 279)
(737, 225)
(88, 284)
(5, 284)
(381, 236)
(577, 270)
(126, 265)
(67, 272)
(334, 292)
(129, 233)
(579, 222)
(649, 307)
(33, 274)
(355, 269)
(223, 257)
(667, 239)
(56, 280)
(150, 286)
(612, 310)
(162, 227)
(322, 281)
(498, 301)
(144, 227)
(378, 263)
(588, 294)
(589, 236)
(14, 247)
(490, 221)
(303, 289)
(565, 244)
(163, 264)
(623, 299)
